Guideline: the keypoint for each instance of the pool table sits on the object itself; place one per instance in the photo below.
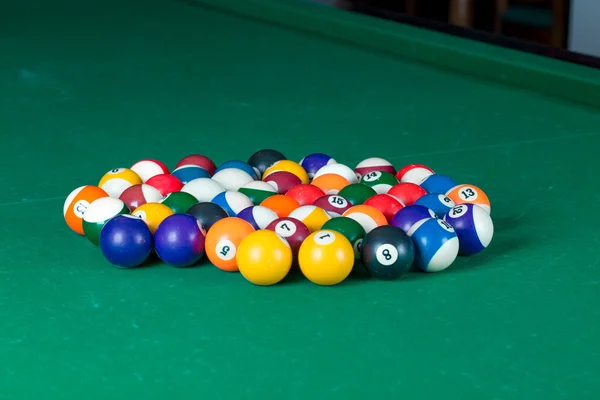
(87, 86)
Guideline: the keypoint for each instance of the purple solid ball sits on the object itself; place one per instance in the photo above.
(410, 215)
(314, 162)
(179, 240)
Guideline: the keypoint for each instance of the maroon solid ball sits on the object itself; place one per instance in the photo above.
(282, 181)
(305, 193)
(165, 183)
(334, 204)
(292, 230)
(199, 160)
(387, 204)
(137, 195)
(407, 192)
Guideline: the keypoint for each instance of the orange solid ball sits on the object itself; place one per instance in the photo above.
(223, 240)
(77, 203)
(282, 205)
(330, 183)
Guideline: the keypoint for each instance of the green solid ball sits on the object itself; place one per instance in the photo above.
(352, 230)
(357, 193)
(99, 213)
(179, 202)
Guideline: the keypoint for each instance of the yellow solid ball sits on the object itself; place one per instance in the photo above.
(288, 166)
(326, 257)
(152, 214)
(264, 257)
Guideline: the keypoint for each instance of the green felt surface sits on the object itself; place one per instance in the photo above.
(90, 86)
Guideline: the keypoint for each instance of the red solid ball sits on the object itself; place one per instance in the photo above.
(292, 230)
(199, 160)
(165, 183)
(334, 204)
(407, 192)
(387, 204)
(282, 181)
(305, 193)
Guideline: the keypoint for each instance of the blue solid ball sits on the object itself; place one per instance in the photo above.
(410, 215)
(126, 241)
(440, 204)
(473, 226)
(436, 244)
(238, 164)
(187, 173)
(437, 183)
(179, 240)
(314, 162)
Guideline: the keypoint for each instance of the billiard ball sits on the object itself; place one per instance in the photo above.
(330, 183)
(152, 214)
(165, 183)
(410, 215)
(413, 173)
(189, 172)
(207, 214)
(179, 202)
(292, 230)
(305, 194)
(115, 181)
(357, 193)
(387, 252)
(312, 216)
(257, 191)
(258, 216)
(352, 230)
(470, 194)
(387, 204)
(77, 203)
(99, 212)
(264, 257)
(136, 195)
(440, 204)
(232, 202)
(232, 178)
(338, 169)
(326, 257)
(437, 183)
(474, 228)
(203, 189)
(407, 192)
(282, 181)
(287, 166)
(373, 164)
(147, 168)
(126, 241)
(200, 161)
(282, 205)
(179, 240)
(380, 181)
(244, 166)
(367, 216)
(222, 241)
(313, 162)
(334, 204)
(436, 244)
(263, 159)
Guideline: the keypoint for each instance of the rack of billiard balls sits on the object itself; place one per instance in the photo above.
(269, 215)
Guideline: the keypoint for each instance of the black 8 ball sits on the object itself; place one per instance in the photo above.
(387, 252)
